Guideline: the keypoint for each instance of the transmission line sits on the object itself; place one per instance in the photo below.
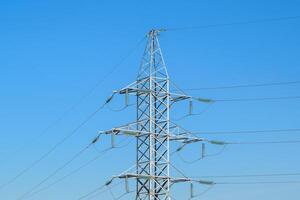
(216, 142)
(265, 142)
(98, 191)
(270, 131)
(62, 141)
(101, 153)
(258, 183)
(233, 23)
(258, 99)
(243, 86)
(244, 99)
(68, 175)
(54, 173)
(71, 108)
(204, 156)
(249, 175)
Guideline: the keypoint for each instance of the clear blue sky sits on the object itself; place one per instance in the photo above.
(54, 52)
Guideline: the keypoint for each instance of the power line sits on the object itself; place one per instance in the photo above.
(216, 142)
(101, 153)
(204, 192)
(54, 172)
(257, 99)
(224, 144)
(62, 141)
(243, 86)
(92, 192)
(198, 159)
(123, 195)
(98, 191)
(269, 131)
(233, 23)
(211, 183)
(70, 174)
(264, 142)
(200, 99)
(249, 175)
(258, 183)
(71, 108)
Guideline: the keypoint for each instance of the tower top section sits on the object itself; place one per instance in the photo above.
(153, 64)
(155, 32)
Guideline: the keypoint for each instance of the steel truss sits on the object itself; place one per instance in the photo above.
(153, 129)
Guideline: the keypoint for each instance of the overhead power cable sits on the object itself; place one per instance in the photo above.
(216, 142)
(249, 175)
(99, 190)
(244, 182)
(211, 100)
(264, 142)
(109, 184)
(212, 183)
(258, 99)
(55, 172)
(71, 108)
(100, 154)
(58, 144)
(243, 86)
(202, 157)
(67, 175)
(269, 131)
(204, 182)
(258, 21)
(258, 183)
(123, 195)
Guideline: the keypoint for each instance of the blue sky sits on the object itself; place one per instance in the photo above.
(53, 52)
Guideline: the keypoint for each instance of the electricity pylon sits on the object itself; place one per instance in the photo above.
(153, 129)
(153, 118)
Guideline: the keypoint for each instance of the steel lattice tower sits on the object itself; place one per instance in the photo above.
(153, 129)
(153, 120)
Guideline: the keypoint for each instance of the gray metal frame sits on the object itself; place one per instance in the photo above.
(153, 117)
(153, 129)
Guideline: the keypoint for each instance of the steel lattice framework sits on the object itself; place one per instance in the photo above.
(153, 129)
(153, 103)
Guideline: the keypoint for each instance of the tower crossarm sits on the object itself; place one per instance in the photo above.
(136, 133)
(173, 180)
(176, 133)
(132, 89)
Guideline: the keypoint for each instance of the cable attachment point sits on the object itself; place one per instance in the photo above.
(109, 182)
(96, 139)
